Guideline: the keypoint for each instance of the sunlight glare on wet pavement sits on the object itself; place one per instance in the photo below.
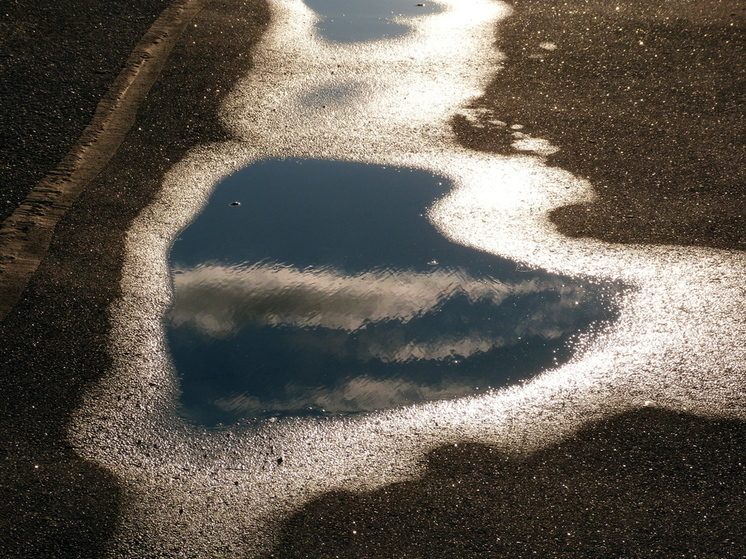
(678, 342)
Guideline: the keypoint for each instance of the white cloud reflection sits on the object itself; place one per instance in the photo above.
(356, 394)
(218, 300)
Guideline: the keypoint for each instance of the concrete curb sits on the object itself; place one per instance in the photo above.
(25, 236)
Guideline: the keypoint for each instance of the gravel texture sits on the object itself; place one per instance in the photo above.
(644, 99)
(54, 341)
(668, 169)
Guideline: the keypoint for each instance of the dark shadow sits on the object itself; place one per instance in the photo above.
(56, 505)
(644, 99)
(647, 483)
(54, 341)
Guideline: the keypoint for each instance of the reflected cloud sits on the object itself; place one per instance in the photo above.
(217, 300)
(330, 271)
(357, 394)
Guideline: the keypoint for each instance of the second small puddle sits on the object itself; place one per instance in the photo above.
(310, 287)
(351, 21)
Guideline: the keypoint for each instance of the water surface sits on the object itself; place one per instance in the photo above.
(349, 21)
(320, 287)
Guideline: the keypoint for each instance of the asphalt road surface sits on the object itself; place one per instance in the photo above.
(645, 101)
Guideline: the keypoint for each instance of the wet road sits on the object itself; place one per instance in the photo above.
(635, 448)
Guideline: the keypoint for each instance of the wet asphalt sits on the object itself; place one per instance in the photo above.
(649, 109)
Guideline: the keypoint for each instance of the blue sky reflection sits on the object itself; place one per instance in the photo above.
(328, 291)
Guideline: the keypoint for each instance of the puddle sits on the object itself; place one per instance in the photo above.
(350, 21)
(311, 287)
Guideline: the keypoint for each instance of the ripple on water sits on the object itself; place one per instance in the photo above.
(328, 291)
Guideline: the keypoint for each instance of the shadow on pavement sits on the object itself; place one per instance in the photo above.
(647, 483)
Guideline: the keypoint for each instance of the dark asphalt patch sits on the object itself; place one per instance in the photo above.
(648, 483)
(644, 99)
(56, 61)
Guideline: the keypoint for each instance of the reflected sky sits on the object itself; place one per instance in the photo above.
(314, 287)
(349, 21)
